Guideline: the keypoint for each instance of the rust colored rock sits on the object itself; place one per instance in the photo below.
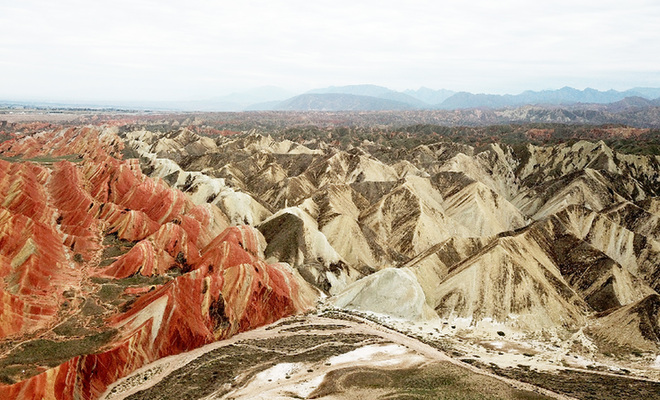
(34, 271)
(77, 208)
(143, 259)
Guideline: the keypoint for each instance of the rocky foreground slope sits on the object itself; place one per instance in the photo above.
(197, 238)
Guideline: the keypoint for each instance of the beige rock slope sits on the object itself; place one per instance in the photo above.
(633, 327)
(411, 218)
(180, 144)
(258, 143)
(635, 252)
(587, 187)
(349, 167)
(432, 265)
(601, 282)
(493, 167)
(240, 207)
(545, 276)
(337, 210)
(293, 237)
(600, 279)
(474, 205)
(635, 218)
(512, 280)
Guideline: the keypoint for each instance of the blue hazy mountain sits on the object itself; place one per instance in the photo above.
(340, 102)
(563, 96)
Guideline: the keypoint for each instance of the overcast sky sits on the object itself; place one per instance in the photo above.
(196, 49)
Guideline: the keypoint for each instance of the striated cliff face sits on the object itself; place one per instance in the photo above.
(103, 269)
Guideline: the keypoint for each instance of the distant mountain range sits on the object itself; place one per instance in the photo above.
(375, 98)
(563, 96)
(372, 97)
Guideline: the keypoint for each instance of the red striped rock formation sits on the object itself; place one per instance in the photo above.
(204, 222)
(34, 262)
(130, 199)
(70, 233)
(22, 190)
(169, 246)
(81, 227)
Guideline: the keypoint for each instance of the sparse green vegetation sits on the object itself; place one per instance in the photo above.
(432, 381)
(584, 385)
(49, 353)
(44, 160)
(135, 280)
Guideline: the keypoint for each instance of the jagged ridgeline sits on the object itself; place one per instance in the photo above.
(536, 237)
(121, 261)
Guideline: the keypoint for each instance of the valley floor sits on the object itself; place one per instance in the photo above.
(337, 355)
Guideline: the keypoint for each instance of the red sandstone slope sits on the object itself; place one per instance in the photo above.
(35, 263)
(71, 233)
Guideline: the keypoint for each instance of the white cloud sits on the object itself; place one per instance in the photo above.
(172, 49)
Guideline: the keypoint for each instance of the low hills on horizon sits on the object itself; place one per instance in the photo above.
(380, 98)
(372, 98)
